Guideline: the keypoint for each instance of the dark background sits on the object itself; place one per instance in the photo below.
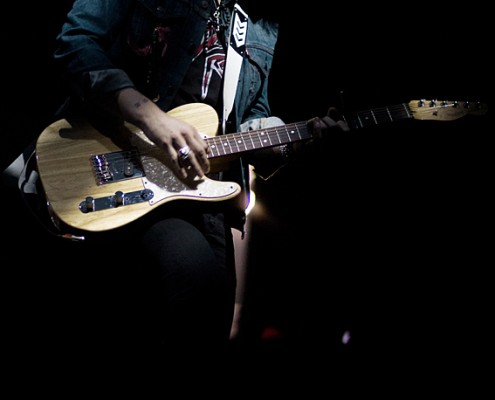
(382, 232)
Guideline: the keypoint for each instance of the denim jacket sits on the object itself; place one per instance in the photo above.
(108, 45)
(115, 50)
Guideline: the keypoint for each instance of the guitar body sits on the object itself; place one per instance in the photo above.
(93, 182)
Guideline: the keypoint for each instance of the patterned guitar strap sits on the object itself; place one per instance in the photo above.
(233, 62)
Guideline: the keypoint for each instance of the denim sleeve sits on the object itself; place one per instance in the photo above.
(266, 162)
(252, 95)
(84, 47)
(261, 123)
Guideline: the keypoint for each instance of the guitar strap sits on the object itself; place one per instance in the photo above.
(233, 61)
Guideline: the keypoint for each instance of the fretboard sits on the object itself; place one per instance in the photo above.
(240, 142)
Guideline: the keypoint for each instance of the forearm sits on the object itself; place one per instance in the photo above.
(136, 108)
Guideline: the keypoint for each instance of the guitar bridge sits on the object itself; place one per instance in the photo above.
(116, 166)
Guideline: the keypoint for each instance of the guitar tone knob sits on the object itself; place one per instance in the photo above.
(119, 198)
(89, 204)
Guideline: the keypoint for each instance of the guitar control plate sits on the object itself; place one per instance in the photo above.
(119, 199)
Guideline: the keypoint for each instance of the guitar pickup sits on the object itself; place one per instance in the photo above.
(116, 166)
(119, 199)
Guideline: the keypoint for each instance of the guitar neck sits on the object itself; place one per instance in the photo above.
(240, 142)
(236, 143)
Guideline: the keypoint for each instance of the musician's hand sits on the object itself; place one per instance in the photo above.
(184, 150)
(182, 143)
(331, 123)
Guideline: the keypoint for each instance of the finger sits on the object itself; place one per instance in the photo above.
(178, 163)
(334, 113)
(204, 161)
(188, 162)
(343, 125)
(316, 125)
(194, 166)
(200, 151)
(328, 122)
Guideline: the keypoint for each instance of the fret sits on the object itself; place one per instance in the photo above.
(367, 118)
(212, 147)
(268, 135)
(220, 146)
(292, 133)
(302, 132)
(262, 139)
(255, 139)
(377, 116)
(250, 144)
(242, 140)
(383, 115)
(235, 141)
(283, 135)
(402, 112)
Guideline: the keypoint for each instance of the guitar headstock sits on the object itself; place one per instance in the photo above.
(442, 110)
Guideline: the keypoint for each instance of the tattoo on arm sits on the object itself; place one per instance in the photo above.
(141, 102)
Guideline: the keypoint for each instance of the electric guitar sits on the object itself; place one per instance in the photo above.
(93, 182)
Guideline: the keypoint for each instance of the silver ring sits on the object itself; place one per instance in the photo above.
(183, 155)
(184, 152)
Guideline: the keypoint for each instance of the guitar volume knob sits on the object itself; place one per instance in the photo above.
(119, 198)
(87, 205)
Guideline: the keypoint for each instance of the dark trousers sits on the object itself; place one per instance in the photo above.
(153, 303)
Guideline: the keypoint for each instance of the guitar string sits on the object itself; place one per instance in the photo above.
(261, 138)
